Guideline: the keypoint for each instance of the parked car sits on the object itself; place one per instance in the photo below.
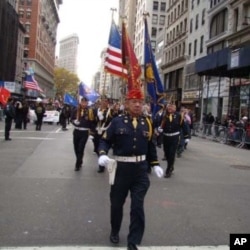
(50, 116)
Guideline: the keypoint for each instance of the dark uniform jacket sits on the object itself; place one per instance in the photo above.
(175, 125)
(85, 118)
(128, 141)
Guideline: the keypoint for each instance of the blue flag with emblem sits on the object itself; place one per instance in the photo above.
(154, 85)
(70, 100)
(85, 91)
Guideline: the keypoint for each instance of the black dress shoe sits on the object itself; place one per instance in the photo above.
(132, 246)
(8, 139)
(114, 238)
(167, 175)
(101, 169)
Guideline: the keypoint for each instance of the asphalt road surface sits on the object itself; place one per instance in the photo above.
(45, 204)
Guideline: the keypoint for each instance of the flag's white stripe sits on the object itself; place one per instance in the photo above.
(114, 58)
(116, 68)
(117, 50)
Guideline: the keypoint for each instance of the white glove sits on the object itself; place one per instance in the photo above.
(186, 140)
(160, 130)
(100, 115)
(76, 122)
(158, 171)
(103, 160)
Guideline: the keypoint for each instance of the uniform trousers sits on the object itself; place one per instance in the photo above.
(8, 123)
(133, 178)
(170, 144)
(80, 138)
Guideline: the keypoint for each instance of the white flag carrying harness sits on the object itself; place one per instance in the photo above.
(111, 167)
(100, 128)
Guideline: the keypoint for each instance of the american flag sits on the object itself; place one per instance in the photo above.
(31, 83)
(113, 61)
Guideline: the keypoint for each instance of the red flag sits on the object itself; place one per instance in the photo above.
(130, 61)
(4, 95)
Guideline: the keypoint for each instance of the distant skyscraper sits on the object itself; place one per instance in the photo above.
(68, 53)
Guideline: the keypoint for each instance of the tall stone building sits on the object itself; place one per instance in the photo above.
(8, 36)
(40, 19)
(68, 53)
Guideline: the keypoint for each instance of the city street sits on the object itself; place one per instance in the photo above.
(45, 203)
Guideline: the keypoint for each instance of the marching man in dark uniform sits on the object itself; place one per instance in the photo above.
(103, 118)
(130, 135)
(171, 125)
(9, 112)
(83, 120)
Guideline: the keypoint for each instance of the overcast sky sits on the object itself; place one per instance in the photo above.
(91, 20)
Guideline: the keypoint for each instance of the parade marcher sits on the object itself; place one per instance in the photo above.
(64, 116)
(82, 119)
(104, 116)
(25, 114)
(132, 145)
(39, 111)
(171, 124)
(9, 112)
(19, 114)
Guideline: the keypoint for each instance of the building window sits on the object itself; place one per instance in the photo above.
(191, 26)
(201, 44)
(162, 20)
(203, 17)
(154, 19)
(219, 24)
(27, 27)
(197, 21)
(192, 4)
(21, 2)
(189, 49)
(28, 14)
(154, 32)
(155, 5)
(195, 46)
(29, 2)
(163, 6)
(26, 40)
(21, 13)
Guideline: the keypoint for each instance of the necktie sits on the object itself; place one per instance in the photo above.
(170, 118)
(134, 122)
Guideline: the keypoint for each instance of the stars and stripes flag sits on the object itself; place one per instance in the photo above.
(130, 61)
(152, 78)
(31, 83)
(113, 60)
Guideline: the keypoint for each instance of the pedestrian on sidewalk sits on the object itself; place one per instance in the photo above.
(130, 135)
(9, 112)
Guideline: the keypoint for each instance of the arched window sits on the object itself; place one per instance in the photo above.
(219, 23)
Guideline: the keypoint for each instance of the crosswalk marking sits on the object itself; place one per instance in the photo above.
(222, 247)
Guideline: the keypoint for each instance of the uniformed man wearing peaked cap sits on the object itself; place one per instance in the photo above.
(130, 135)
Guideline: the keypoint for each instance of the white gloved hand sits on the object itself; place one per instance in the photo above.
(103, 160)
(158, 171)
(186, 140)
(76, 122)
(160, 130)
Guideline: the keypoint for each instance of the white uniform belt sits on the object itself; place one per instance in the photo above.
(136, 158)
(171, 134)
(82, 129)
